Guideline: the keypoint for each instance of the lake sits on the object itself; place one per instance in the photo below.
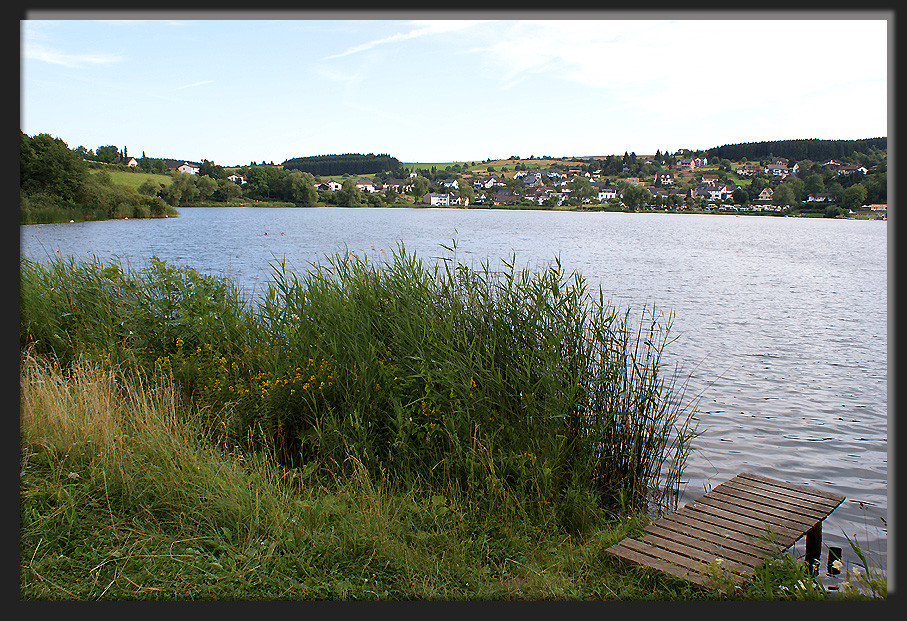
(781, 324)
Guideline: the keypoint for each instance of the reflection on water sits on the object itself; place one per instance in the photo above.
(781, 323)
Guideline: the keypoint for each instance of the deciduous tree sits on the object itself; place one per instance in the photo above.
(854, 196)
(349, 195)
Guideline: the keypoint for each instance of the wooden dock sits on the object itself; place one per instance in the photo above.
(741, 522)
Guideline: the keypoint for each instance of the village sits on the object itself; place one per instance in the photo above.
(689, 183)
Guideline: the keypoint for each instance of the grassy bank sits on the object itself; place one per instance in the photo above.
(121, 500)
(362, 430)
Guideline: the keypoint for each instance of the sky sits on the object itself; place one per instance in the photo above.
(459, 87)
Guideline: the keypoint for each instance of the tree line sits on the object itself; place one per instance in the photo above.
(347, 163)
(808, 149)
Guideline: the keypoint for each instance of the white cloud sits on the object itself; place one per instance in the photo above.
(424, 28)
(34, 48)
(36, 51)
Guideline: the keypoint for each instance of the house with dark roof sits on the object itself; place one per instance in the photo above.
(183, 166)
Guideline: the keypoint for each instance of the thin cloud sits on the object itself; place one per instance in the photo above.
(36, 51)
(430, 28)
(179, 88)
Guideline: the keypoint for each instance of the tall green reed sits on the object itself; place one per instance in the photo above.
(517, 387)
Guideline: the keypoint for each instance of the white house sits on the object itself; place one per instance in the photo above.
(456, 199)
(132, 162)
(191, 169)
(604, 191)
(489, 181)
(366, 184)
(779, 170)
(436, 199)
(330, 185)
(713, 192)
(237, 179)
(748, 170)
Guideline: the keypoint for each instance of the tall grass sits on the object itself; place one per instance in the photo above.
(515, 390)
(124, 498)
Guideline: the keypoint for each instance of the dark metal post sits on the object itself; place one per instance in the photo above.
(814, 547)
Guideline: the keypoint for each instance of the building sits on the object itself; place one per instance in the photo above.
(433, 199)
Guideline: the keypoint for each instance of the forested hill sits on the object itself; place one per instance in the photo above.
(809, 149)
(352, 163)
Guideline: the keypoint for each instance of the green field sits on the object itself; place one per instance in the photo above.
(135, 179)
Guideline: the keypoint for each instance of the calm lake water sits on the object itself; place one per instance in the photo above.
(781, 323)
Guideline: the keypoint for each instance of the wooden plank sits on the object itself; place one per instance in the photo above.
(761, 494)
(666, 561)
(712, 507)
(829, 497)
(654, 562)
(728, 527)
(720, 548)
(775, 517)
(754, 504)
(741, 521)
(696, 554)
(695, 524)
(801, 506)
(783, 494)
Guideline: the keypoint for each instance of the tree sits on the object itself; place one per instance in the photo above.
(349, 195)
(832, 211)
(260, 182)
(466, 190)
(854, 196)
(46, 164)
(149, 188)
(210, 169)
(797, 188)
(836, 190)
(813, 184)
(107, 153)
(301, 188)
(740, 196)
(581, 188)
(226, 190)
(206, 186)
(783, 196)
(183, 189)
(635, 196)
(420, 186)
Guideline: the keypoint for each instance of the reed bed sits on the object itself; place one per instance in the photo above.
(517, 387)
